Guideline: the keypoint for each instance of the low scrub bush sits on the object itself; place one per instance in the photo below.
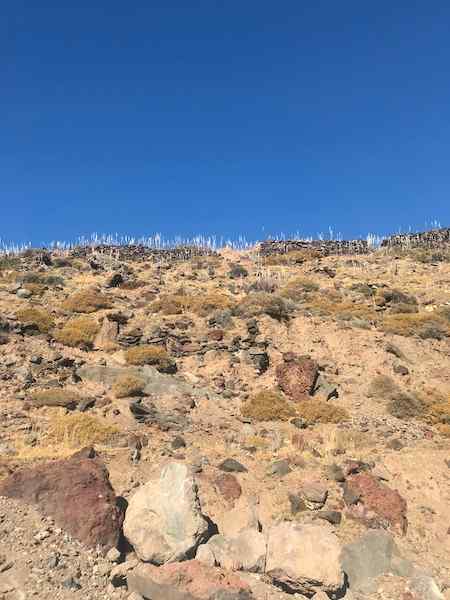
(382, 386)
(259, 303)
(299, 288)
(237, 271)
(55, 397)
(423, 325)
(405, 406)
(128, 385)
(150, 355)
(78, 332)
(393, 296)
(202, 305)
(268, 405)
(319, 411)
(79, 430)
(37, 317)
(86, 301)
(169, 304)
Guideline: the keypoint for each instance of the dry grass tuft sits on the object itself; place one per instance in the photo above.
(86, 301)
(332, 305)
(169, 304)
(382, 386)
(319, 411)
(268, 405)
(55, 397)
(258, 303)
(79, 430)
(202, 305)
(36, 316)
(128, 386)
(150, 355)
(404, 405)
(299, 288)
(424, 325)
(79, 332)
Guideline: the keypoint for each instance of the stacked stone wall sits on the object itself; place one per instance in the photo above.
(323, 247)
(434, 238)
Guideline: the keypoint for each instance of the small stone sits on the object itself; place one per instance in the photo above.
(401, 370)
(23, 293)
(297, 504)
(350, 496)
(395, 444)
(53, 561)
(299, 423)
(72, 584)
(314, 494)
(332, 516)
(335, 473)
(178, 442)
(230, 465)
(113, 555)
(228, 486)
(279, 468)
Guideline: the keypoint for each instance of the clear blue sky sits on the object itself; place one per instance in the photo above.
(229, 117)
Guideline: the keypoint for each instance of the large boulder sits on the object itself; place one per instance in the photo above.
(164, 522)
(168, 399)
(297, 376)
(244, 515)
(190, 580)
(367, 558)
(76, 493)
(245, 552)
(304, 558)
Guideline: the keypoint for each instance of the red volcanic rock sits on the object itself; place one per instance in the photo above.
(228, 486)
(375, 502)
(297, 376)
(189, 580)
(76, 493)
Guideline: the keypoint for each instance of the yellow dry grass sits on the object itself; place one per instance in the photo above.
(424, 325)
(201, 304)
(319, 411)
(268, 405)
(86, 301)
(128, 385)
(78, 332)
(61, 434)
(258, 303)
(146, 355)
(36, 316)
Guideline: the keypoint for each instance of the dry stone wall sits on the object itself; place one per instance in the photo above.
(323, 247)
(140, 253)
(434, 238)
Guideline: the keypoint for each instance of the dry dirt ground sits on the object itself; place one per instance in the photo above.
(377, 326)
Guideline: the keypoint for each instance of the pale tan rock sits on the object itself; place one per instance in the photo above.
(296, 558)
(163, 521)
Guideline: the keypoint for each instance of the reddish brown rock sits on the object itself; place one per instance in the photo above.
(189, 580)
(374, 502)
(297, 376)
(228, 486)
(76, 492)
(216, 335)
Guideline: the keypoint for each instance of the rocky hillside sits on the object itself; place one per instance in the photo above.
(190, 425)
